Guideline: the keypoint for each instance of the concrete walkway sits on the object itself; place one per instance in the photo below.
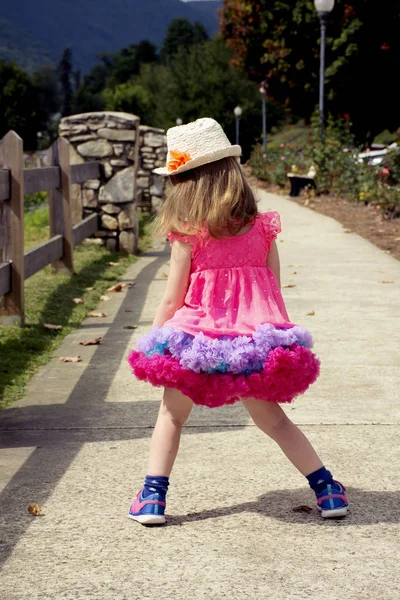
(77, 446)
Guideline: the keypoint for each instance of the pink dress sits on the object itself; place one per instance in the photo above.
(232, 338)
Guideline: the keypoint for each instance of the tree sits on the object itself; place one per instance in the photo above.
(85, 101)
(146, 52)
(130, 98)
(66, 76)
(279, 41)
(45, 81)
(47, 93)
(19, 109)
(202, 83)
(181, 35)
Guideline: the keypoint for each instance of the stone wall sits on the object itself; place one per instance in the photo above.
(127, 153)
(152, 154)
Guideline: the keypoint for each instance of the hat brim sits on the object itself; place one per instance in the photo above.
(202, 160)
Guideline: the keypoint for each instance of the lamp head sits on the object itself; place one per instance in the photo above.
(324, 6)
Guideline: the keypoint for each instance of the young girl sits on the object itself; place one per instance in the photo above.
(221, 333)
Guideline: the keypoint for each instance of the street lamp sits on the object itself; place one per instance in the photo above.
(179, 121)
(263, 91)
(237, 111)
(323, 8)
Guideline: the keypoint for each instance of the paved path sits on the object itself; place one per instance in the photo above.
(77, 445)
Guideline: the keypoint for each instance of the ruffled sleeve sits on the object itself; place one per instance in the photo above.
(181, 237)
(271, 224)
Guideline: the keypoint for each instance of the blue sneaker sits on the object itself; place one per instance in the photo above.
(332, 501)
(149, 510)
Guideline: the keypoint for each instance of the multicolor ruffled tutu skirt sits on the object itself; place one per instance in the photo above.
(273, 364)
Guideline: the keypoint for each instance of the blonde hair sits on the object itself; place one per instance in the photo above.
(214, 197)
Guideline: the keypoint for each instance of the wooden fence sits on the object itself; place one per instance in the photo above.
(15, 181)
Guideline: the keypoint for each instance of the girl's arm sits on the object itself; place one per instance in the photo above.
(273, 262)
(177, 284)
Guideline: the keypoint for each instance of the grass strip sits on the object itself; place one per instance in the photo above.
(49, 299)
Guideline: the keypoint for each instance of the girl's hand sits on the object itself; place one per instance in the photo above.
(177, 284)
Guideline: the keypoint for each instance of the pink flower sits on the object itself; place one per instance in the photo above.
(282, 145)
(385, 171)
(282, 158)
(264, 156)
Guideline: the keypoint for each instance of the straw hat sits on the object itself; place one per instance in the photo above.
(196, 144)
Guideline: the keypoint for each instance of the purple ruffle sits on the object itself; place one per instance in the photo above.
(238, 354)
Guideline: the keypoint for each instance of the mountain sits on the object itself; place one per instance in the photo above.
(36, 33)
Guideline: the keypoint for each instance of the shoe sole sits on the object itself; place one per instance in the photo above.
(333, 513)
(148, 519)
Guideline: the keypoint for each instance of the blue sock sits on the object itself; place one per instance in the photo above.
(320, 479)
(154, 484)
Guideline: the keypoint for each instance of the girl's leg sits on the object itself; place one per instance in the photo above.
(272, 420)
(174, 410)
(149, 505)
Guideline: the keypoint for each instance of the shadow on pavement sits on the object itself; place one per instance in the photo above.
(58, 431)
(367, 508)
(79, 420)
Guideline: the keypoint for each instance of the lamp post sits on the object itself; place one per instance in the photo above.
(263, 91)
(179, 121)
(323, 8)
(237, 111)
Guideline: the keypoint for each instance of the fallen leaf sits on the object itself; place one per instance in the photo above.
(90, 289)
(34, 509)
(386, 281)
(53, 327)
(100, 315)
(129, 284)
(70, 359)
(289, 285)
(128, 310)
(311, 313)
(293, 273)
(77, 300)
(307, 202)
(397, 239)
(164, 275)
(115, 288)
(131, 326)
(105, 298)
(281, 241)
(112, 264)
(93, 342)
(303, 508)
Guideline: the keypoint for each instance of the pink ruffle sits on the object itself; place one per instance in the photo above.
(287, 373)
(271, 223)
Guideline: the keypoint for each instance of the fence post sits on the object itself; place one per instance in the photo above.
(12, 239)
(60, 204)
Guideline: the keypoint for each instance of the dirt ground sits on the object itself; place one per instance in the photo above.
(366, 221)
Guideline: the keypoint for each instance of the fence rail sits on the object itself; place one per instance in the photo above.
(15, 181)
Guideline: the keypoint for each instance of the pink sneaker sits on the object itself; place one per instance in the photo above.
(148, 511)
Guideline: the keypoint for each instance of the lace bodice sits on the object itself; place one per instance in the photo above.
(247, 250)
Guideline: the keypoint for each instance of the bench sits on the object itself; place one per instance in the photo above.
(298, 182)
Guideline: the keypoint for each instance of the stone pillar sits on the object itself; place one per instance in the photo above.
(152, 154)
(111, 138)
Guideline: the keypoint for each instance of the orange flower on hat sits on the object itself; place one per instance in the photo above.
(178, 159)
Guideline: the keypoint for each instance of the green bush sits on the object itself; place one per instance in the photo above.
(34, 201)
(340, 172)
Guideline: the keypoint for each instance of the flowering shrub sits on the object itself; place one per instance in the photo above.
(339, 171)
